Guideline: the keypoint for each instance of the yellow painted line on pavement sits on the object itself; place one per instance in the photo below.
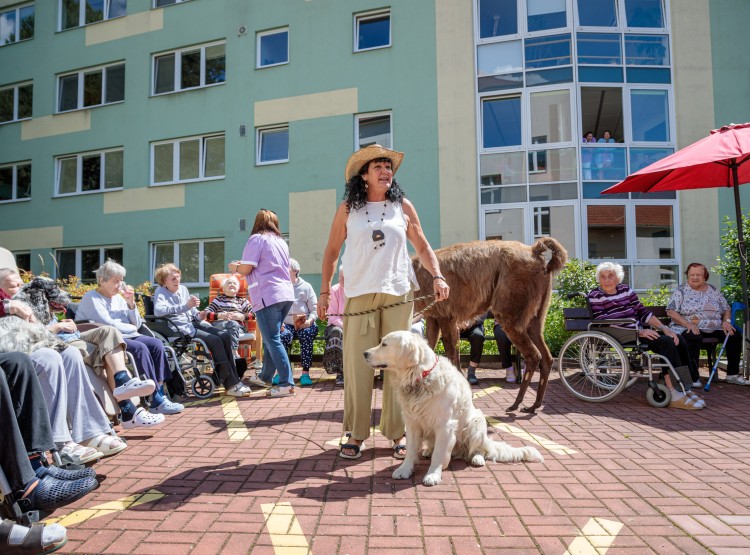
(235, 422)
(284, 528)
(596, 537)
(539, 440)
(123, 504)
(487, 391)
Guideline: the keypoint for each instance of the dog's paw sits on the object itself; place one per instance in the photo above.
(403, 472)
(477, 460)
(432, 479)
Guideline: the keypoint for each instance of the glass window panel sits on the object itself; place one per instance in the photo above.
(66, 263)
(23, 181)
(68, 93)
(654, 231)
(8, 27)
(274, 49)
(500, 195)
(92, 88)
(657, 76)
(189, 262)
(546, 14)
(505, 224)
(553, 165)
(91, 168)
(374, 32)
(90, 261)
(597, 13)
(164, 70)
(375, 130)
(555, 221)
(189, 159)
(7, 104)
(213, 259)
(644, 13)
(163, 254)
(114, 253)
(68, 175)
(593, 190)
(274, 145)
(600, 74)
(652, 277)
(94, 11)
(550, 117)
(23, 261)
(549, 77)
(548, 51)
(71, 13)
(163, 163)
(25, 101)
(653, 196)
(650, 115)
(606, 163)
(115, 83)
(113, 162)
(647, 50)
(498, 18)
(507, 168)
(214, 165)
(499, 57)
(606, 231)
(601, 109)
(190, 66)
(6, 183)
(501, 122)
(26, 25)
(215, 64)
(117, 8)
(160, 3)
(500, 82)
(642, 157)
(599, 48)
(556, 191)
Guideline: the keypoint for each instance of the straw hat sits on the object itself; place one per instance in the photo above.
(364, 155)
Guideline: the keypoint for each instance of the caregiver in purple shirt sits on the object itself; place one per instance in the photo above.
(272, 294)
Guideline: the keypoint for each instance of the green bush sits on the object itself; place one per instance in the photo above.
(555, 334)
(577, 276)
(728, 266)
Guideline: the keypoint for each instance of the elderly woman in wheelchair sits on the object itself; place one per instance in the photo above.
(618, 319)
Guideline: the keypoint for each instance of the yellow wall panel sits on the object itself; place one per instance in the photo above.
(128, 26)
(32, 238)
(60, 124)
(307, 106)
(144, 198)
(310, 217)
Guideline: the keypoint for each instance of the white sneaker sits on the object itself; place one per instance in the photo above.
(143, 419)
(256, 381)
(134, 387)
(281, 391)
(698, 384)
(736, 379)
(239, 390)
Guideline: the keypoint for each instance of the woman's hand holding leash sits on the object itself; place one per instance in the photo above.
(440, 288)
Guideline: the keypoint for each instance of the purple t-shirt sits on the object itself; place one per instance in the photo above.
(269, 282)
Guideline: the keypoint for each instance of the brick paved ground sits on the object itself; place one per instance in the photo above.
(259, 476)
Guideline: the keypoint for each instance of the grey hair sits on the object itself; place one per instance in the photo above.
(5, 272)
(294, 265)
(610, 267)
(108, 270)
(226, 279)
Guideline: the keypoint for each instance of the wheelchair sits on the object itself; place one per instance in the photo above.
(598, 363)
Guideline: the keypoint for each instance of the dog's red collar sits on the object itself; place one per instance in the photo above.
(426, 373)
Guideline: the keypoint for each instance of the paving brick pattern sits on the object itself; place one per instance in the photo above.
(667, 481)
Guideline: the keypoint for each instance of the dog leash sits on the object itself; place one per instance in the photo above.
(429, 306)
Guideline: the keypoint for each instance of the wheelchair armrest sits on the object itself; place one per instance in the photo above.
(613, 322)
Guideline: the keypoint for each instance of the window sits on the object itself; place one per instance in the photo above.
(273, 48)
(647, 50)
(645, 13)
(649, 114)
(197, 259)
(372, 30)
(606, 231)
(500, 65)
(498, 18)
(501, 122)
(599, 49)
(89, 172)
(188, 159)
(83, 262)
(91, 87)
(372, 129)
(17, 24)
(23, 261)
(190, 68)
(504, 225)
(550, 117)
(597, 13)
(548, 51)
(546, 14)
(273, 145)
(160, 3)
(16, 102)
(77, 13)
(15, 181)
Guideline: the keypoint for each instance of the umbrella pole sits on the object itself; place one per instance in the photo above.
(743, 268)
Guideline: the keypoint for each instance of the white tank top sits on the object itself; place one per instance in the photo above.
(376, 258)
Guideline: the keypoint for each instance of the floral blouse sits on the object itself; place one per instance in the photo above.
(705, 309)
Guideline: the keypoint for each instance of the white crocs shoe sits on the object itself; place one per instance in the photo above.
(143, 419)
(134, 387)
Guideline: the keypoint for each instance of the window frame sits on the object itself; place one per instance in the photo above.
(18, 255)
(172, 3)
(358, 118)
(369, 15)
(176, 257)
(202, 151)
(79, 257)
(81, 87)
(260, 132)
(259, 35)
(82, 15)
(177, 76)
(16, 99)
(14, 181)
(17, 9)
(79, 173)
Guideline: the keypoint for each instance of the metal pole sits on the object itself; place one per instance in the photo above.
(743, 269)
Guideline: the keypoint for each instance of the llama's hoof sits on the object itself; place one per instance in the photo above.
(529, 410)
(512, 408)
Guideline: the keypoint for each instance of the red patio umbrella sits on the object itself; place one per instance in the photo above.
(716, 161)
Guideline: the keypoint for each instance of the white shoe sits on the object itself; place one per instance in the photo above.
(143, 419)
(698, 384)
(257, 365)
(510, 375)
(134, 387)
(736, 379)
(239, 390)
(281, 391)
(256, 381)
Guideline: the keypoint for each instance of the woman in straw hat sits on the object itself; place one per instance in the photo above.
(375, 220)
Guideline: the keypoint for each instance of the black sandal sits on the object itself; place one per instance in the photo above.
(399, 449)
(32, 543)
(353, 446)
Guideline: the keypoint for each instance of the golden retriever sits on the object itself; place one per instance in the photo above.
(438, 409)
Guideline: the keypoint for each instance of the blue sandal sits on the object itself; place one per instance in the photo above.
(50, 493)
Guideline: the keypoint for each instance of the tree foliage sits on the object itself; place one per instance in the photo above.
(728, 264)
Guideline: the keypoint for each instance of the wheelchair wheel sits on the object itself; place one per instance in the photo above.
(659, 398)
(202, 387)
(593, 366)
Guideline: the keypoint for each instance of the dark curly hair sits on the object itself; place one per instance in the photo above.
(355, 194)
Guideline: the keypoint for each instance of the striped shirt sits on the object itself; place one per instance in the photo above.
(623, 303)
(224, 303)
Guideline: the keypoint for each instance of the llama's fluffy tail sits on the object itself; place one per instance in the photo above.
(500, 451)
(559, 254)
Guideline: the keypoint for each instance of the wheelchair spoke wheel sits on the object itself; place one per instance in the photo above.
(593, 366)
(202, 387)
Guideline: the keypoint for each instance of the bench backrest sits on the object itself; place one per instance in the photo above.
(578, 319)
